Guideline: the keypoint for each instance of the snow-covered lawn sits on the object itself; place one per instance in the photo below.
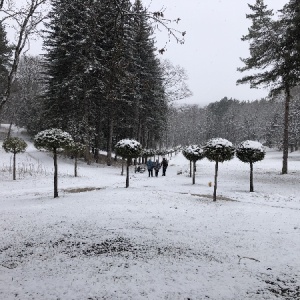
(162, 238)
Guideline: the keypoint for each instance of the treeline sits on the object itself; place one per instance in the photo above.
(260, 120)
(100, 79)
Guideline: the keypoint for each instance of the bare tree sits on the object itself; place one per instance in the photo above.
(175, 78)
(24, 19)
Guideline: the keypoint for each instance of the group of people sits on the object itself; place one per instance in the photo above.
(156, 165)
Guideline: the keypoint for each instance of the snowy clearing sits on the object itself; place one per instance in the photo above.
(162, 238)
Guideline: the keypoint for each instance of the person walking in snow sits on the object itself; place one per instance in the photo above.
(156, 167)
(150, 167)
(164, 164)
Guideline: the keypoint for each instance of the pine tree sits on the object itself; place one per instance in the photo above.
(272, 52)
(5, 57)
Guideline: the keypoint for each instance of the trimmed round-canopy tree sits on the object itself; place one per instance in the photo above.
(250, 152)
(128, 149)
(14, 145)
(218, 150)
(75, 149)
(52, 140)
(193, 153)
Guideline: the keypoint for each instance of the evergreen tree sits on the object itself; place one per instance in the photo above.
(273, 52)
(5, 57)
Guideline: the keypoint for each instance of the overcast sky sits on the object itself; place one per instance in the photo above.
(212, 46)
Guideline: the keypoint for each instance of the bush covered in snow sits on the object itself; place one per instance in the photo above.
(218, 149)
(193, 152)
(250, 152)
(128, 148)
(14, 145)
(53, 138)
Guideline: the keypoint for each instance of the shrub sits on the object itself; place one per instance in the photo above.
(218, 150)
(250, 152)
(128, 149)
(14, 145)
(52, 140)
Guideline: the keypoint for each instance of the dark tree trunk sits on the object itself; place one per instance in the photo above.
(190, 168)
(127, 172)
(194, 171)
(75, 166)
(109, 144)
(216, 181)
(14, 167)
(286, 131)
(251, 177)
(122, 172)
(55, 173)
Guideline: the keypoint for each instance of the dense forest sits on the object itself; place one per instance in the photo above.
(102, 79)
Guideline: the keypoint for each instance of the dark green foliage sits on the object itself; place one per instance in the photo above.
(5, 57)
(193, 152)
(218, 149)
(128, 148)
(250, 151)
(52, 139)
(14, 145)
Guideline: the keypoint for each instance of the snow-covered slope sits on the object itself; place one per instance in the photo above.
(162, 238)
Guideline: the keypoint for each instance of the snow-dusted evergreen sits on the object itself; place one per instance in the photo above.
(129, 149)
(218, 150)
(250, 152)
(193, 153)
(14, 145)
(53, 140)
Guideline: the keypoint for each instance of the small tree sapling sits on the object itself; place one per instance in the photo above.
(128, 149)
(193, 153)
(218, 150)
(14, 145)
(53, 140)
(250, 152)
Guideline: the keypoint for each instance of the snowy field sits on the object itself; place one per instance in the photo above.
(162, 238)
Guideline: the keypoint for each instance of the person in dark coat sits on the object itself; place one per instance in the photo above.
(150, 167)
(164, 164)
(156, 167)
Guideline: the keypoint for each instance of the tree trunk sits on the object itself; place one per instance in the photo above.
(286, 131)
(127, 172)
(75, 166)
(194, 171)
(216, 181)
(251, 177)
(109, 142)
(190, 168)
(55, 173)
(14, 167)
(122, 172)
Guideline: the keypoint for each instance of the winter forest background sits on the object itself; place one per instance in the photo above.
(102, 79)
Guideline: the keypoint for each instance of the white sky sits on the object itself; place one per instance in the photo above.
(212, 46)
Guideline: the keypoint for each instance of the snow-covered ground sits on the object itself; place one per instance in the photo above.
(162, 238)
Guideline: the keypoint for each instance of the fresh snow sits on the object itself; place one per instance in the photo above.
(252, 145)
(161, 238)
(219, 142)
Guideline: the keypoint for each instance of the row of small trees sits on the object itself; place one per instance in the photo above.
(54, 139)
(220, 150)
